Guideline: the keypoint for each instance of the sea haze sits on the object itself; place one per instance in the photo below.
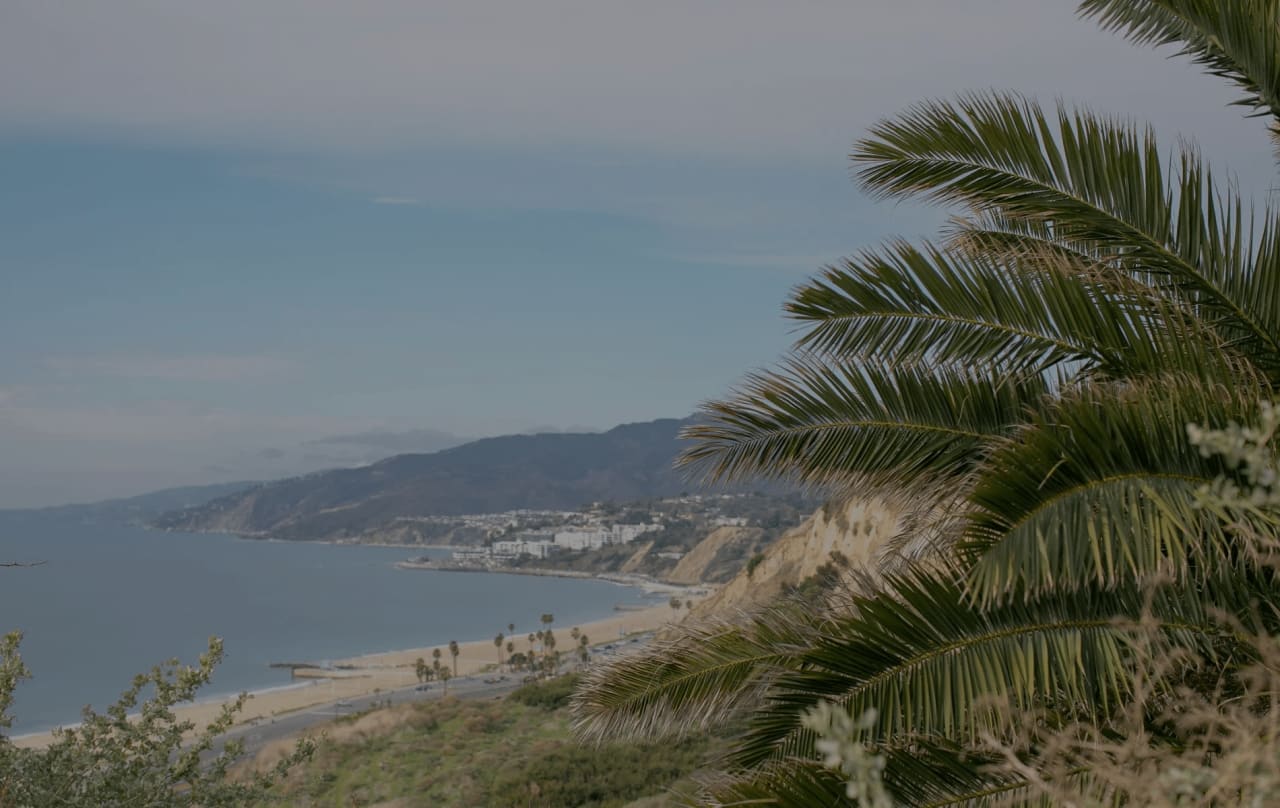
(112, 600)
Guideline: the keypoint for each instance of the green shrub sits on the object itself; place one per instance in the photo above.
(549, 695)
(594, 776)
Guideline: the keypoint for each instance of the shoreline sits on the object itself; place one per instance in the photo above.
(371, 674)
(634, 580)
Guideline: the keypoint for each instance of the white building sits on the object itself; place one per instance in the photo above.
(582, 539)
(510, 549)
(596, 537)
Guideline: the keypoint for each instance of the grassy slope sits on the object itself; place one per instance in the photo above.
(513, 752)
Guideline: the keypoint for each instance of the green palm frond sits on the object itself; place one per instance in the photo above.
(693, 680)
(994, 237)
(1101, 187)
(930, 665)
(1237, 40)
(791, 784)
(1032, 311)
(933, 772)
(927, 773)
(1100, 489)
(821, 423)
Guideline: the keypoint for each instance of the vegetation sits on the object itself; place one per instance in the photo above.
(114, 760)
(1022, 390)
(552, 694)
(518, 752)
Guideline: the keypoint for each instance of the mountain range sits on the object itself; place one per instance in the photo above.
(543, 471)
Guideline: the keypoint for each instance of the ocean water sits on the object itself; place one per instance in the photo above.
(113, 600)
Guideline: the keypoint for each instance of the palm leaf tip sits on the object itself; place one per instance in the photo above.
(693, 680)
(825, 423)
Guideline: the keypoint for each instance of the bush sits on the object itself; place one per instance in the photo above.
(549, 695)
(594, 776)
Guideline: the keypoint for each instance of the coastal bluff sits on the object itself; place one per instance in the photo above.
(856, 528)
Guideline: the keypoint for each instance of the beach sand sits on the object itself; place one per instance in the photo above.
(374, 673)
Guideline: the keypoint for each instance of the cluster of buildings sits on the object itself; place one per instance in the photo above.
(541, 544)
(495, 524)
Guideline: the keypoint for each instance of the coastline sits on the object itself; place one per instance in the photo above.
(370, 674)
(636, 581)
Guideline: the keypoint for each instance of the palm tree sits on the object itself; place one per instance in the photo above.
(511, 647)
(511, 629)
(1022, 391)
(550, 659)
(497, 643)
(454, 651)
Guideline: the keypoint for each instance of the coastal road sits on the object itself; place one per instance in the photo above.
(258, 734)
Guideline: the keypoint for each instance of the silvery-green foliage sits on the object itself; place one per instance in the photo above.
(136, 754)
(1250, 453)
(837, 740)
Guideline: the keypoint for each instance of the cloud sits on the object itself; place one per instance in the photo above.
(396, 200)
(188, 368)
(751, 77)
(163, 423)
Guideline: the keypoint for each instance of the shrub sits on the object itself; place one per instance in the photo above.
(549, 695)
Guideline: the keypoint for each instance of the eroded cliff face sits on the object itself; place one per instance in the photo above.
(856, 528)
(694, 568)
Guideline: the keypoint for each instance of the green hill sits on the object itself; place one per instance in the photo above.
(547, 471)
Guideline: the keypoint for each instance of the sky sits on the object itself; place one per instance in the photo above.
(252, 238)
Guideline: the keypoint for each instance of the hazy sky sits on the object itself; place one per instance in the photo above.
(232, 230)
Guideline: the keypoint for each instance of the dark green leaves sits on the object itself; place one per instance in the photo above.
(821, 422)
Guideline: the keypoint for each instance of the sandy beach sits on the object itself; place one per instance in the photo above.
(373, 673)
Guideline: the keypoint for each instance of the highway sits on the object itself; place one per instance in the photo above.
(262, 732)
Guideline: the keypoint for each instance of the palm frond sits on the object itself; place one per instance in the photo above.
(693, 680)
(1098, 185)
(1100, 489)
(929, 664)
(826, 423)
(1031, 310)
(789, 784)
(926, 773)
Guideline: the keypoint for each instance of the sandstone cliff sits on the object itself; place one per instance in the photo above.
(856, 528)
(695, 567)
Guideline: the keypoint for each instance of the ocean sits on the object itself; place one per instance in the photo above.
(113, 600)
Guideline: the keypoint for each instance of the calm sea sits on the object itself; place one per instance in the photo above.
(114, 600)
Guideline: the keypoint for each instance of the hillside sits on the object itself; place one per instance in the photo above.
(547, 471)
(143, 507)
(510, 753)
(856, 529)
